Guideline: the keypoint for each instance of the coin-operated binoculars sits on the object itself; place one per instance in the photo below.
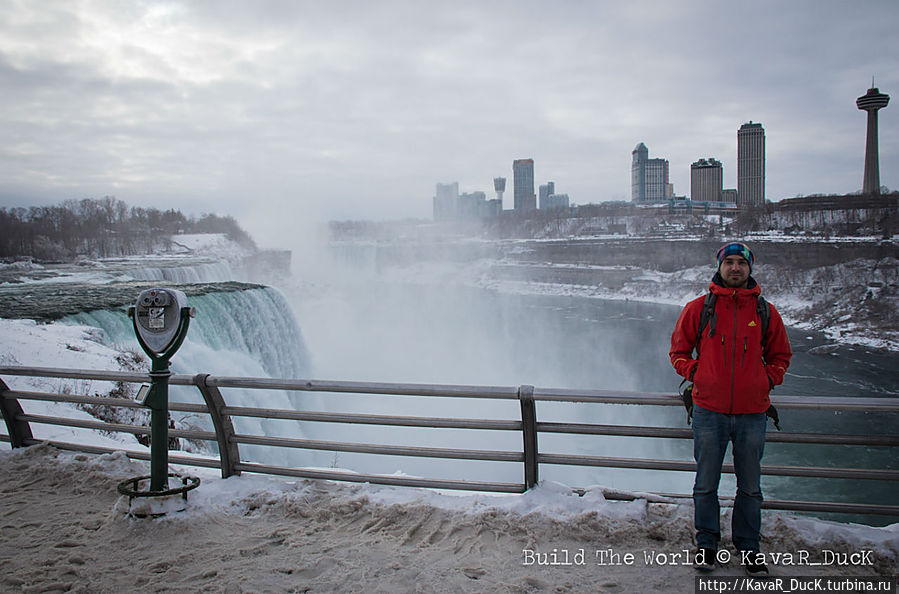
(161, 318)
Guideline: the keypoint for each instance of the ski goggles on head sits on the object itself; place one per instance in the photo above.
(735, 249)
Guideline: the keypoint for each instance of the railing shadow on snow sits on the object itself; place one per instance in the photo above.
(19, 434)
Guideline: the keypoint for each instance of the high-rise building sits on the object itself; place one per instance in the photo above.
(649, 177)
(472, 205)
(639, 156)
(446, 201)
(523, 180)
(751, 165)
(871, 102)
(706, 180)
(729, 195)
(556, 201)
(546, 191)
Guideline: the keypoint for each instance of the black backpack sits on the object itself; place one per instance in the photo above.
(707, 317)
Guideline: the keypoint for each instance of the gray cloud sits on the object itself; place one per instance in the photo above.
(276, 110)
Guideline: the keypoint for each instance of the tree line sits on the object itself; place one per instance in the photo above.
(101, 228)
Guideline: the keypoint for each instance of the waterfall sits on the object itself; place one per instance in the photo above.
(210, 272)
(257, 324)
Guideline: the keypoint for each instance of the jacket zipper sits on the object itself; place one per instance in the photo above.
(723, 350)
(743, 358)
(733, 366)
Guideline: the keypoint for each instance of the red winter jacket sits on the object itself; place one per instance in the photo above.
(732, 373)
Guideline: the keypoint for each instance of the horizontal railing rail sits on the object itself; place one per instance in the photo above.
(18, 424)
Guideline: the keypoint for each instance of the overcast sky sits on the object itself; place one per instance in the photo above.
(277, 111)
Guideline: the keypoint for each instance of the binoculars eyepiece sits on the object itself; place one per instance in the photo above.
(160, 319)
(155, 298)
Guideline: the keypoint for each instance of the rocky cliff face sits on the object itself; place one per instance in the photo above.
(854, 300)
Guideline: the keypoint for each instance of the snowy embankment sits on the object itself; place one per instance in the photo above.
(66, 529)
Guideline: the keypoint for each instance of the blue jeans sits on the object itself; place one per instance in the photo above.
(711, 433)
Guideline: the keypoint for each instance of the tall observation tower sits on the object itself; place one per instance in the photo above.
(871, 102)
(499, 186)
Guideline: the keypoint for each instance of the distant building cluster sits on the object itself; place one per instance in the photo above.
(549, 199)
(649, 177)
(450, 205)
(650, 185)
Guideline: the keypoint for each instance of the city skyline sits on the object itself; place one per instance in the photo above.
(282, 112)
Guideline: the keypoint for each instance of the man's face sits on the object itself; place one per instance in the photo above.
(734, 271)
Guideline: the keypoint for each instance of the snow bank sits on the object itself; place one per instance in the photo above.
(28, 343)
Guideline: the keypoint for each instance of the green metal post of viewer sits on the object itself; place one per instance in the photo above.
(161, 319)
(158, 402)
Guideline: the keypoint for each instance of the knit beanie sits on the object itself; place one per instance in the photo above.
(737, 249)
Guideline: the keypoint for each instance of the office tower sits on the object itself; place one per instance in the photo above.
(472, 205)
(639, 156)
(706, 180)
(556, 201)
(499, 186)
(657, 187)
(545, 192)
(871, 102)
(751, 165)
(446, 201)
(729, 196)
(649, 177)
(523, 180)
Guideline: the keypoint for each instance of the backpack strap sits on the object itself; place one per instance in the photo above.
(763, 308)
(708, 317)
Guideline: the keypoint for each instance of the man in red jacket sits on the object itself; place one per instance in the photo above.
(734, 370)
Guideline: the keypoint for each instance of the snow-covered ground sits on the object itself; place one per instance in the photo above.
(67, 529)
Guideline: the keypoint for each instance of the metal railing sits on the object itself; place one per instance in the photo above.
(19, 434)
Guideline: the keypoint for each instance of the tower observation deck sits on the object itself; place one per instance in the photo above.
(871, 102)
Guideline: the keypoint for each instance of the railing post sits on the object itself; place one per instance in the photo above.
(19, 431)
(224, 429)
(529, 433)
